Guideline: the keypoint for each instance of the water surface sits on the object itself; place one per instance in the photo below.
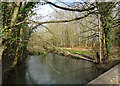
(54, 69)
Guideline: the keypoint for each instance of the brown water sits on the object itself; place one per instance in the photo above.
(54, 69)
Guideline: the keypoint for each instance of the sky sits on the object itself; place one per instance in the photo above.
(66, 0)
(47, 9)
(44, 10)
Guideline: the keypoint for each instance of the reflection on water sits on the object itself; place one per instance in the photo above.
(42, 70)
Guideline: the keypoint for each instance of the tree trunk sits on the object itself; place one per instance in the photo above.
(14, 16)
(99, 38)
(103, 44)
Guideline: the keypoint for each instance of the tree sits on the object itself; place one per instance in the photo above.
(105, 9)
(99, 29)
(15, 23)
(15, 38)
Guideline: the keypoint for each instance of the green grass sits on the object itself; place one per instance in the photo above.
(80, 52)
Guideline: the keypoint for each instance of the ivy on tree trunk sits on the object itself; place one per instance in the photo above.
(107, 20)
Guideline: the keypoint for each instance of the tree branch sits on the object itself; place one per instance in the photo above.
(69, 9)
(60, 21)
(49, 31)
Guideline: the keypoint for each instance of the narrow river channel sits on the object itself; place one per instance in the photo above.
(54, 69)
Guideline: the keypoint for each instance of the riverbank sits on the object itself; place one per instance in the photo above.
(7, 69)
(106, 65)
(75, 53)
(78, 53)
(9, 64)
(38, 53)
(89, 53)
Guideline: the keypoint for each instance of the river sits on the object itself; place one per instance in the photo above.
(54, 69)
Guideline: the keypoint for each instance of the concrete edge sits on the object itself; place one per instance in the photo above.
(108, 77)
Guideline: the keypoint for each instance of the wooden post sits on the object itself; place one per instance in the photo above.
(99, 38)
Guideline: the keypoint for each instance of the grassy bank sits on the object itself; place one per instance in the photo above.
(105, 65)
(88, 53)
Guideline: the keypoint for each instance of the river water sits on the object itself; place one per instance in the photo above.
(54, 69)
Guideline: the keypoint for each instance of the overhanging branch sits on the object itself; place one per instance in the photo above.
(70, 9)
(60, 21)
